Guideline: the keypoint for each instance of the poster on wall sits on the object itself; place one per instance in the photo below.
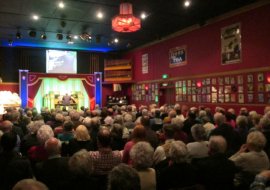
(178, 56)
(145, 63)
(231, 44)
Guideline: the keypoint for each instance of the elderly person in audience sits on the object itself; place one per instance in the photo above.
(67, 133)
(242, 127)
(199, 148)
(81, 168)
(162, 151)
(117, 142)
(38, 153)
(29, 184)
(141, 155)
(216, 172)
(124, 177)
(251, 156)
(207, 125)
(179, 134)
(54, 171)
(179, 173)
(138, 134)
(81, 140)
(30, 139)
(219, 119)
(105, 158)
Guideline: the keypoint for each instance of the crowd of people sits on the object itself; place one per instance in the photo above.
(125, 148)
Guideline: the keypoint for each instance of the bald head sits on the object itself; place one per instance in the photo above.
(53, 146)
(6, 126)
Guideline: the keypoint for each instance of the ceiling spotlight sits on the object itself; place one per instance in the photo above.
(75, 37)
(116, 40)
(32, 33)
(61, 5)
(43, 36)
(99, 15)
(18, 35)
(35, 17)
(187, 3)
(59, 36)
(143, 16)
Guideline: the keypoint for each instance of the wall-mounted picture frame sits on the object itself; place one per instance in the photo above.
(231, 44)
(178, 56)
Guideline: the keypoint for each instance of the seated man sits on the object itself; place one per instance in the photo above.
(67, 99)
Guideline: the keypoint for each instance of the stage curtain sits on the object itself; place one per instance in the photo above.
(90, 92)
(32, 91)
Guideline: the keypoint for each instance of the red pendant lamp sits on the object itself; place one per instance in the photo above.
(126, 21)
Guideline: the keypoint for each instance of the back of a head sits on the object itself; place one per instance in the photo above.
(217, 144)
(81, 133)
(178, 152)
(145, 121)
(81, 163)
(44, 133)
(219, 118)
(138, 133)
(8, 141)
(104, 137)
(6, 126)
(29, 184)
(53, 146)
(169, 130)
(198, 132)
(124, 177)
(68, 125)
(256, 141)
(141, 155)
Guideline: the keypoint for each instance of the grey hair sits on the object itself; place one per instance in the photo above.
(198, 132)
(178, 152)
(141, 155)
(33, 126)
(256, 140)
(217, 144)
(127, 117)
(81, 163)
(122, 177)
(44, 133)
(178, 122)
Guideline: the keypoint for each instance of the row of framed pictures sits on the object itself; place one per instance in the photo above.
(244, 88)
(145, 92)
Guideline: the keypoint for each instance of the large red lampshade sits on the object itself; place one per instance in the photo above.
(125, 21)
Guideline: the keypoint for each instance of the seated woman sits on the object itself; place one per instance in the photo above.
(141, 155)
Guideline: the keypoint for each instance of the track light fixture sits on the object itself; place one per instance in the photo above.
(32, 33)
(18, 35)
(43, 36)
(59, 36)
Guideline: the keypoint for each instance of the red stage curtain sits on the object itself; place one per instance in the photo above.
(90, 92)
(32, 92)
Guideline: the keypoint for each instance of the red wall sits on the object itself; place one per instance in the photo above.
(13, 87)
(204, 49)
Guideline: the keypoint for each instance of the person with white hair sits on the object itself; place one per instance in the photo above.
(216, 171)
(38, 153)
(179, 173)
(141, 155)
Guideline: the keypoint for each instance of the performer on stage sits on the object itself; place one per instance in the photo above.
(66, 100)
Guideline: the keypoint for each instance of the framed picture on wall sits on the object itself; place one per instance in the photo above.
(178, 56)
(231, 44)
